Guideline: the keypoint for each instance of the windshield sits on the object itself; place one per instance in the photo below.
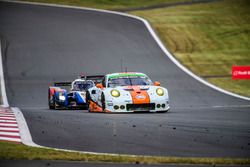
(129, 81)
(82, 85)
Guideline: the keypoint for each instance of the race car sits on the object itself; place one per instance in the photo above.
(127, 92)
(60, 96)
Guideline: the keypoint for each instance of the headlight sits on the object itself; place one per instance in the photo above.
(115, 93)
(160, 91)
(62, 98)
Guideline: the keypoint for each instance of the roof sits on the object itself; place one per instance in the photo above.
(126, 74)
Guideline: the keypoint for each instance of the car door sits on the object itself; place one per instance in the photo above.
(93, 93)
(100, 90)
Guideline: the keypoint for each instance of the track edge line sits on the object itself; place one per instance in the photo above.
(19, 116)
(153, 34)
(2, 82)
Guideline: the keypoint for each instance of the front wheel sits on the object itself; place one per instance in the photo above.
(103, 103)
(88, 99)
(51, 101)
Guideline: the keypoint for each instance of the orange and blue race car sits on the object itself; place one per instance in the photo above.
(127, 92)
(65, 95)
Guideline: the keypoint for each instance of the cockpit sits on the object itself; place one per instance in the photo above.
(82, 85)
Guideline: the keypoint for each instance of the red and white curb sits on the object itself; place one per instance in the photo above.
(9, 130)
(20, 120)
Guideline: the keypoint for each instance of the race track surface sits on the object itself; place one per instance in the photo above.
(46, 44)
(42, 163)
(39, 163)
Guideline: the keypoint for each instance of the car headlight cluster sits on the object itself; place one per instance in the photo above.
(61, 96)
(115, 93)
(160, 91)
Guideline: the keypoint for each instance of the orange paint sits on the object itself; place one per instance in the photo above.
(106, 110)
(99, 85)
(157, 83)
(53, 90)
(93, 107)
(139, 96)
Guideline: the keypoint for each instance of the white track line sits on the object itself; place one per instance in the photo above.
(10, 139)
(8, 129)
(233, 106)
(8, 118)
(27, 139)
(3, 90)
(156, 38)
(8, 125)
(7, 121)
(24, 130)
(6, 114)
(23, 127)
(10, 133)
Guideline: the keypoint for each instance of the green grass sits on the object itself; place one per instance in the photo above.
(207, 38)
(239, 86)
(109, 4)
(11, 151)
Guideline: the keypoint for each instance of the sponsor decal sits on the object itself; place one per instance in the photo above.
(140, 96)
(126, 75)
(144, 87)
(240, 72)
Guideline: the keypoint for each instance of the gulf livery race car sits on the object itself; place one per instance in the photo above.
(127, 92)
(71, 94)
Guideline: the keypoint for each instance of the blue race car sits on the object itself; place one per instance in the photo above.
(60, 96)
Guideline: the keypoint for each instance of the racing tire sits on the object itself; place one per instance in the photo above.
(54, 103)
(51, 106)
(88, 99)
(103, 103)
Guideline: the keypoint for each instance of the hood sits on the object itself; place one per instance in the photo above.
(136, 88)
(139, 94)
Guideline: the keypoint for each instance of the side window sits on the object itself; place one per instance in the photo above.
(104, 82)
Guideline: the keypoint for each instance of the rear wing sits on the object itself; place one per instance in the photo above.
(95, 78)
(62, 84)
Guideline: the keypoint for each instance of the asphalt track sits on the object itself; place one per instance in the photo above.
(36, 163)
(46, 44)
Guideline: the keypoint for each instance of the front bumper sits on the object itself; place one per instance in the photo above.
(155, 106)
(66, 104)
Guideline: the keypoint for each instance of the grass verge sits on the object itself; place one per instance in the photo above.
(109, 4)
(207, 38)
(11, 151)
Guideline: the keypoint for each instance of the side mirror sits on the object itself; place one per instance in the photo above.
(99, 85)
(93, 92)
(157, 83)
